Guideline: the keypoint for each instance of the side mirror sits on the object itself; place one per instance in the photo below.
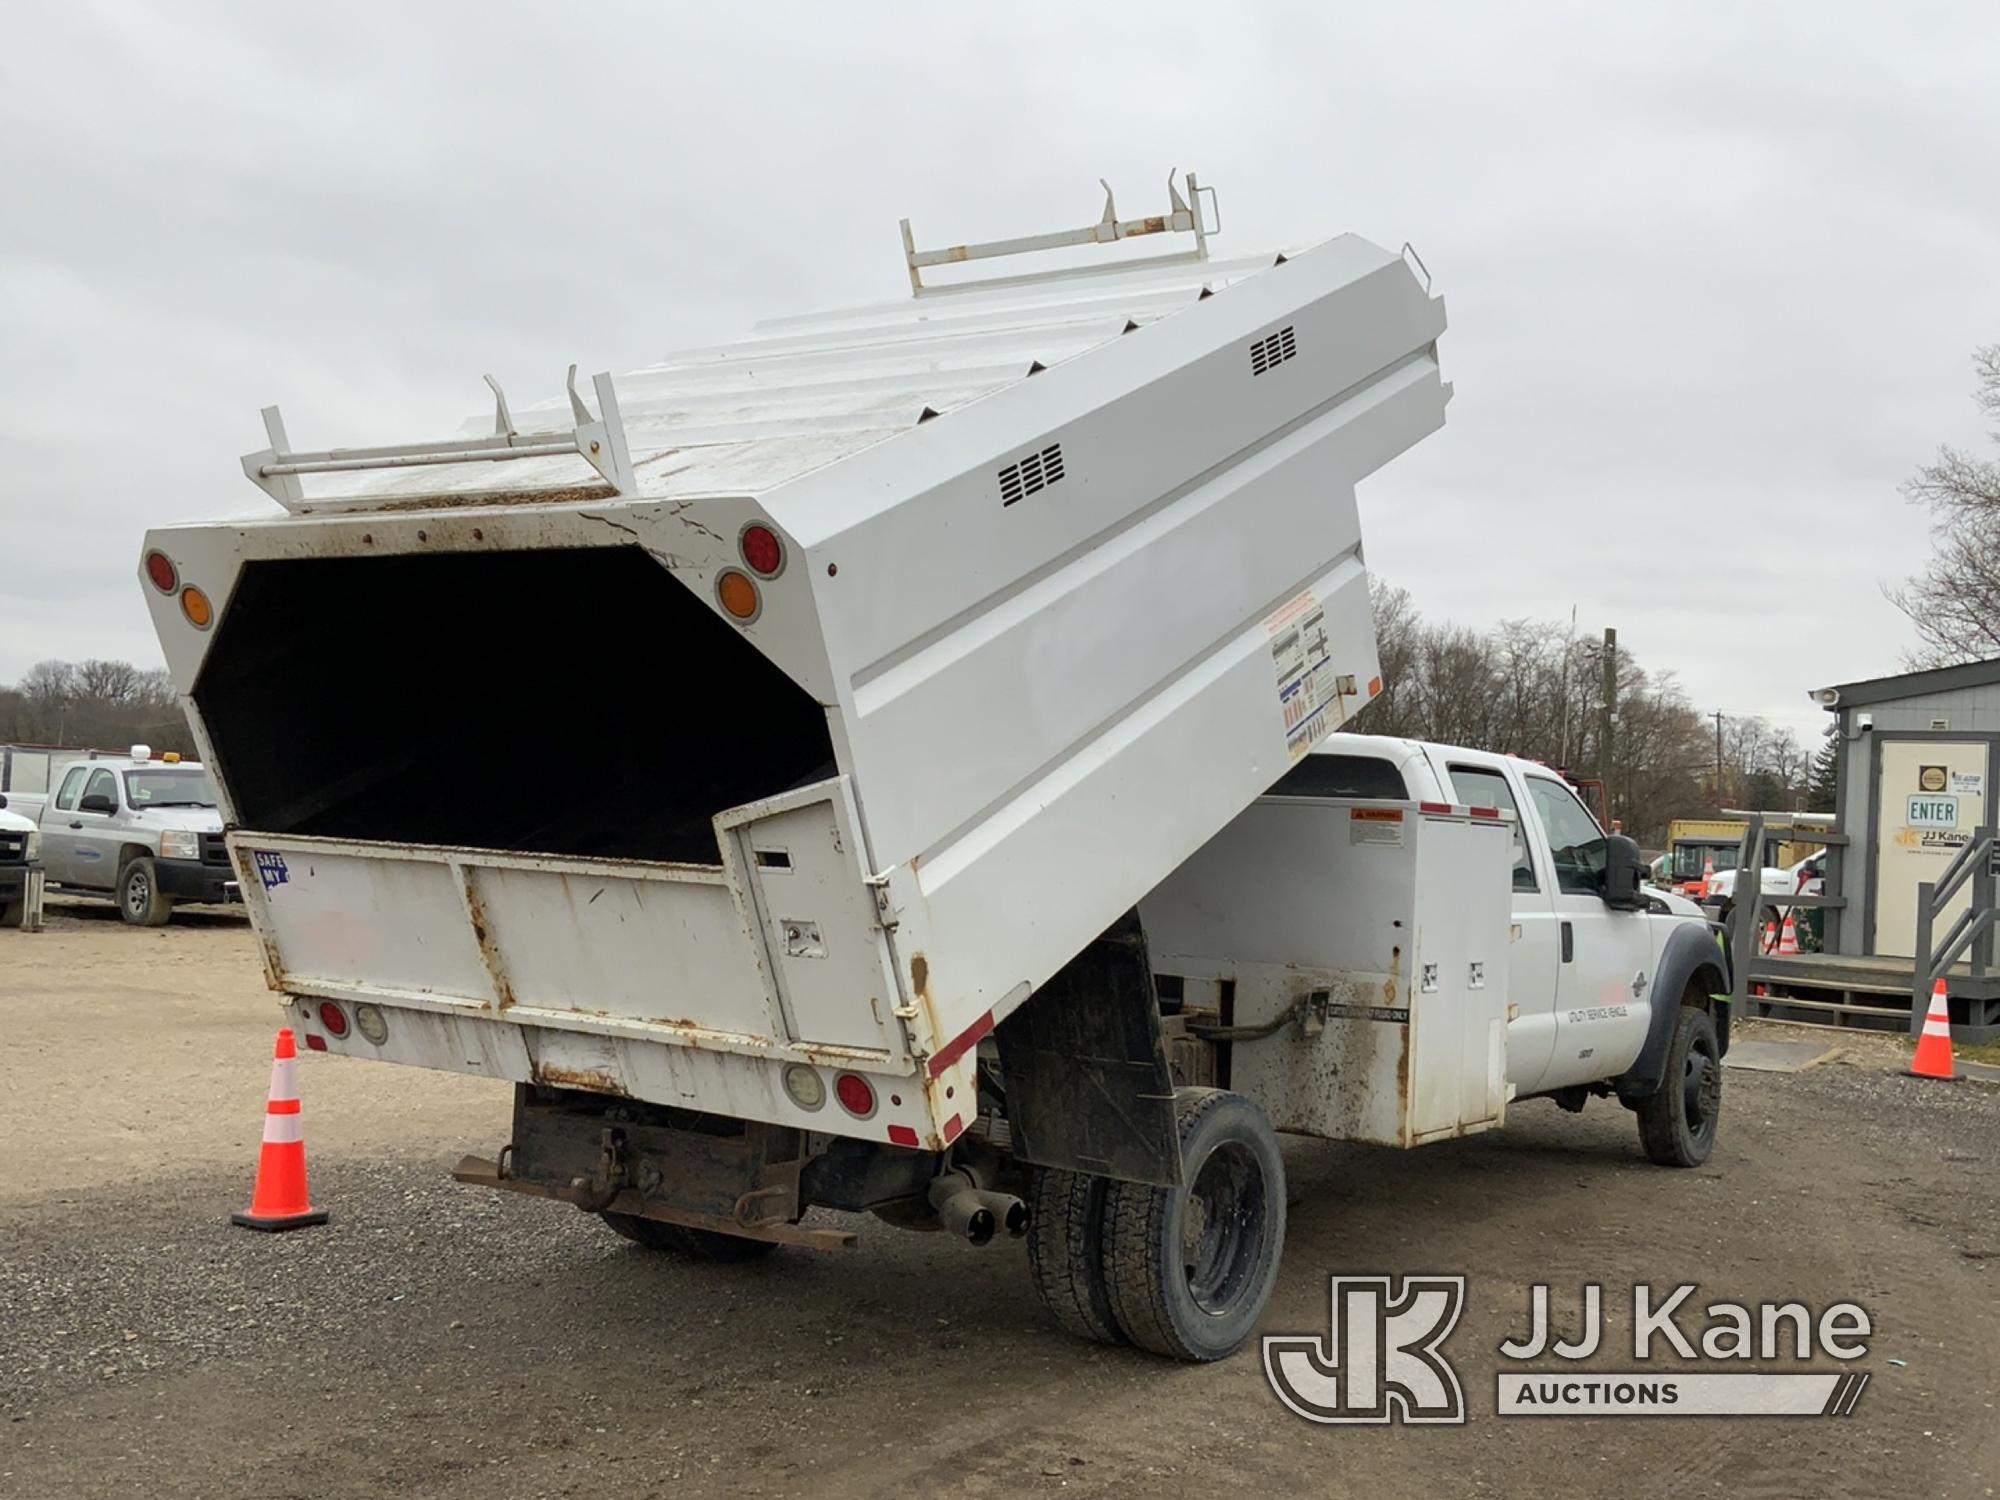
(97, 802)
(1623, 874)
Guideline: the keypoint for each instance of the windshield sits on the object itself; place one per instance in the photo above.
(176, 786)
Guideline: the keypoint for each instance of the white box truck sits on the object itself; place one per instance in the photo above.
(888, 660)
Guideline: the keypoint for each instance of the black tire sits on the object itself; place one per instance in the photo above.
(1065, 1253)
(1677, 1123)
(680, 1239)
(1190, 1269)
(13, 913)
(140, 900)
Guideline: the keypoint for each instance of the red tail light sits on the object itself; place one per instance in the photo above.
(854, 1094)
(160, 568)
(333, 1018)
(762, 550)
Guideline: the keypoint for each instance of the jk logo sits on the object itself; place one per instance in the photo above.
(1379, 1361)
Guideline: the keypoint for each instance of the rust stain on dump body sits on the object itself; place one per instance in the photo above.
(594, 1080)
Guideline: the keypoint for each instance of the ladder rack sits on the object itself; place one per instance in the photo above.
(1184, 217)
(599, 441)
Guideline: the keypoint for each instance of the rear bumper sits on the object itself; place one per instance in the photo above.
(191, 880)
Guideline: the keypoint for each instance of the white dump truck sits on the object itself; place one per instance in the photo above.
(903, 665)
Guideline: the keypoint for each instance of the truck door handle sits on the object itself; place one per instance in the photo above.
(1569, 943)
(76, 824)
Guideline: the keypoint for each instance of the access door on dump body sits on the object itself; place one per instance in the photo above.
(815, 914)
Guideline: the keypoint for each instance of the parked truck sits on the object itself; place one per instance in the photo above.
(140, 830)
(20, 869)
(924, 669)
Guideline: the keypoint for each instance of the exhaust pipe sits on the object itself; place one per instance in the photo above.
(1008, 1211)
(960, 1207)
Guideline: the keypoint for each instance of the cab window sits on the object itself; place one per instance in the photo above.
(1575, 840)
(1341, 776)
(72, 788)
(102, 783)
(1479, 787)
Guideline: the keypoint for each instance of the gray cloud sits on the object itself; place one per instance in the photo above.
(1714, 274)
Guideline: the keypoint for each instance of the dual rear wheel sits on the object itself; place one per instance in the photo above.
(1183, 1271)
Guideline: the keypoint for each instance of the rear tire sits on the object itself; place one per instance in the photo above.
(681, 1239)
(1677, 1122)
(140, 900)
(1190, 1269)
(13, 914)
(1066, 1253)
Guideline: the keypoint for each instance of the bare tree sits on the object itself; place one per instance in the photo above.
(1955, 602)
(101, 704)
(1530, 688)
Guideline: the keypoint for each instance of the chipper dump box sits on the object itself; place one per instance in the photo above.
(757, 741)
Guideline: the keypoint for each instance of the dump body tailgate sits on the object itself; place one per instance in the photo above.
(774, 949)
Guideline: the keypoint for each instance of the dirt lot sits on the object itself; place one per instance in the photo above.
(439, 1341)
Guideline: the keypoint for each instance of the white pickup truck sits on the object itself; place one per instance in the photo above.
(20, 868)
(934, 660)
(139, 829)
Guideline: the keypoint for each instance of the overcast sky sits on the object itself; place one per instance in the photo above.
(1714, 272)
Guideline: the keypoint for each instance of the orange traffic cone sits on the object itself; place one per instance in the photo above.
(1933, 1059)
(1788, 940)
(1708, 876)
(1769, 942)
(280, 1200)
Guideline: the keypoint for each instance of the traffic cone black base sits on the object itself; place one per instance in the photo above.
(286, 1221)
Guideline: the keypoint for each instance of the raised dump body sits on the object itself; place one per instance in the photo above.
(816, 698)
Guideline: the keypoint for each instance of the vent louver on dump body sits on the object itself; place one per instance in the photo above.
(1035, 472)
(1274, 350)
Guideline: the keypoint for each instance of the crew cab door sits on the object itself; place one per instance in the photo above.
(63, 829)
(1533, 957)
(94, 837)
(1605, 956)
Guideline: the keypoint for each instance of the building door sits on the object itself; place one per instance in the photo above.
(1930, 798)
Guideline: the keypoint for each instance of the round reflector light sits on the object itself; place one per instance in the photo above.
(804, 1087)
(371, 1023)
(738, 595)
(160, 568)
(855, 1096)
(333, 1018)
(194, 604)
(762, 550)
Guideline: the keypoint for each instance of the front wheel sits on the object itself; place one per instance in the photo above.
(1677, 1122)
(1190, 1269)
(140, 900)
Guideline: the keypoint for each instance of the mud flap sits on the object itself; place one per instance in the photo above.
(1085, 1068)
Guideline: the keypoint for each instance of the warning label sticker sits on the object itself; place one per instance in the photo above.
(1375, 825)
(1307, 685)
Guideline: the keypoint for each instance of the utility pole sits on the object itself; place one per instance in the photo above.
(1718, 752)
(1604, 733)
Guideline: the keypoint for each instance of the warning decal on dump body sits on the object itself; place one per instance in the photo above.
(1375, 825)
(1307, 684)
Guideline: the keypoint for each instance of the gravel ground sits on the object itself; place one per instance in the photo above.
(441, 1341)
